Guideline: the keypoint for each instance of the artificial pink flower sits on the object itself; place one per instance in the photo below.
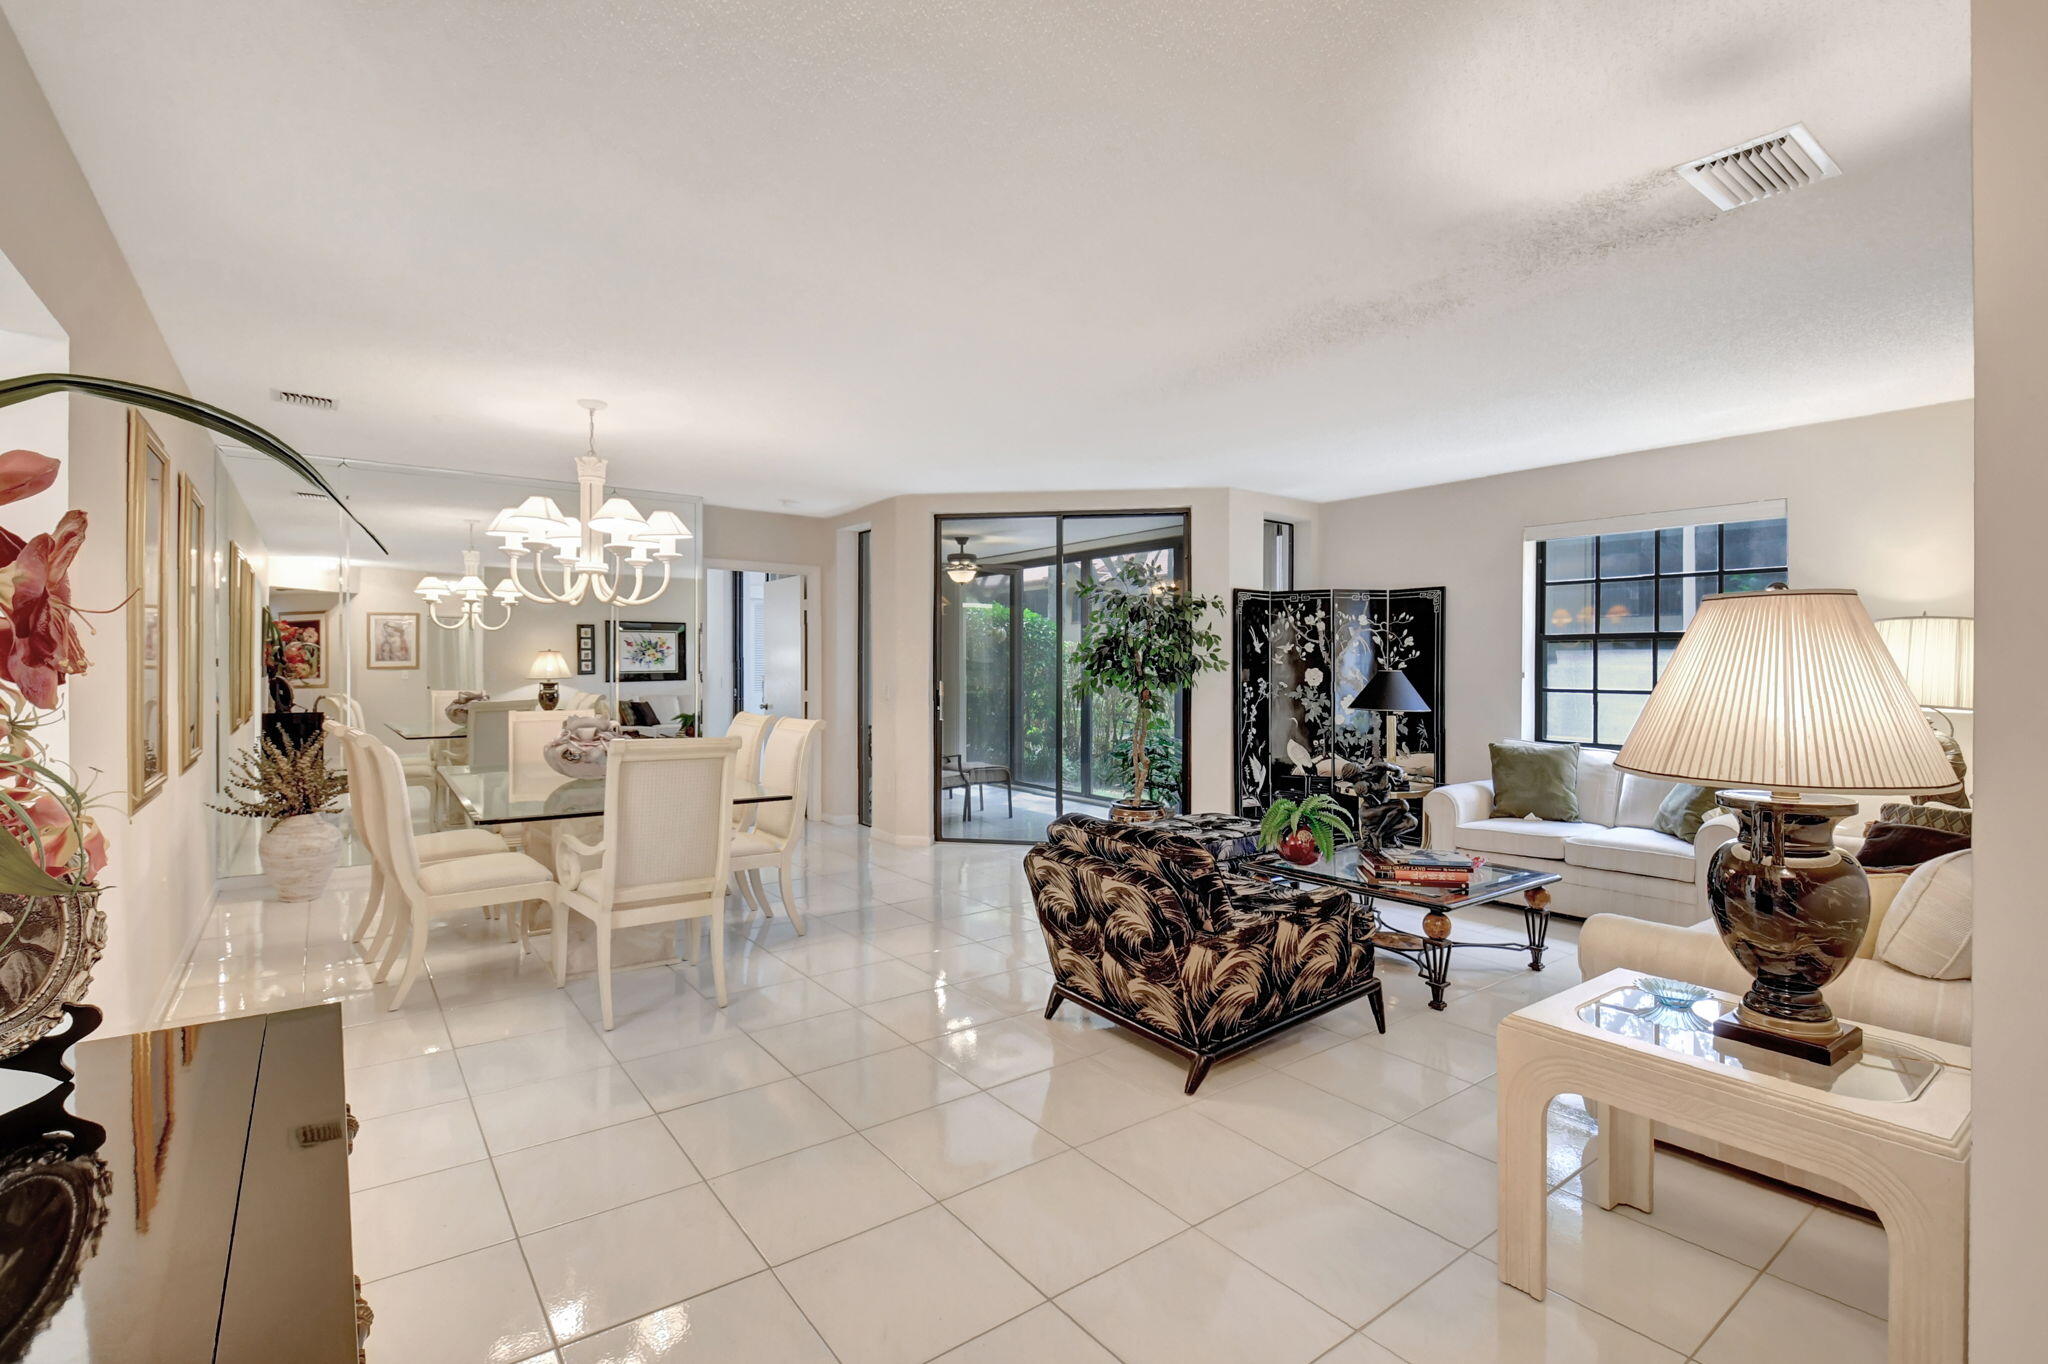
(24, 473)
(39, 644)
(63, 835)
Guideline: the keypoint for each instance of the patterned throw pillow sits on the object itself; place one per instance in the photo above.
(1928, 929)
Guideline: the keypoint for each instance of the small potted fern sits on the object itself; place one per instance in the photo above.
(1304, 830)
(290, 786)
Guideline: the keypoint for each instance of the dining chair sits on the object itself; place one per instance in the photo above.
(490, 731)
(345, 708)
(748, 726)
(664, 857)
(367, 815)
(778, 831)
(424, 889)
(451, 751)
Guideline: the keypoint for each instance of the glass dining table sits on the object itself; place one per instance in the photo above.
(485, 794)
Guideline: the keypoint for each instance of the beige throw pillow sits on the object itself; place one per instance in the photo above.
(1928, 928)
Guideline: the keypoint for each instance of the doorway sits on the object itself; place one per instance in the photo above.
(864, 688)
(756, 647)
(1014, 747)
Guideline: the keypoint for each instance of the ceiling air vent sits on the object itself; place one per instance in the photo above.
(312, 400)
(1777, 163)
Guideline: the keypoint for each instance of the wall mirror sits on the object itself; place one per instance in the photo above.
(194, 565)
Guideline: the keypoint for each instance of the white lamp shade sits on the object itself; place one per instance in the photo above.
(1786, 691)
(619, 519)
(506, 590)
(1938, 655)
(539, 517)
(666, 525)
(432, 588)
(549, 664)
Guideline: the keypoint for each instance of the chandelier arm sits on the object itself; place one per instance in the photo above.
(637, 598)
(477, 615)
(434, 614)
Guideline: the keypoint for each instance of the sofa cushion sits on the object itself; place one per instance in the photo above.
(1521, 837)
(1639, 852)
(1599, 786)
(1640, 797)
(1685, 809)
(1535, 779)
(1928, 929)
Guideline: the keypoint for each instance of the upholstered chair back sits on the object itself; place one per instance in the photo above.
(786, 760)
(667, 817)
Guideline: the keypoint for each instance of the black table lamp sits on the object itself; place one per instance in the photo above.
(1389, 692)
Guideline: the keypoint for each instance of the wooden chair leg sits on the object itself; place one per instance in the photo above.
(718, 952)
(391, 937)
(789, 896)
(415, 962)
(371, 902)
(604, 970)
(759, 890)
(1053, 1002)
(560, 931)
(1198, 1071)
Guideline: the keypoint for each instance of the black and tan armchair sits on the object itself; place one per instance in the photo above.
(1145, 929)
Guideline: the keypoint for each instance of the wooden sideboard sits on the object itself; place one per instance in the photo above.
(178, 1196)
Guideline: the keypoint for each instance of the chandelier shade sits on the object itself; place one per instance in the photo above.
(962, 567)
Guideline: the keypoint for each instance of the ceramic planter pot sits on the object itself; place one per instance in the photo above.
(1299, 848)
(1128, 811)
(53, 941)
(299, 854)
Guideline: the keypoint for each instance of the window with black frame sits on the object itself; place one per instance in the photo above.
(1610, 610)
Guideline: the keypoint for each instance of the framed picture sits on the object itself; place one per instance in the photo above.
(649, 651)
(586, 650)
(149, 481)
(394, 639)
(242, 638)
(191, 622)
(302, 651)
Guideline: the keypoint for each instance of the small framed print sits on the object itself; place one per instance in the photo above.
(394, 639)
(648, 651)
(586, 650)
(301, 650)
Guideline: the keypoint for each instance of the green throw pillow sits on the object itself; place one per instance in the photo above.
(1535, 779)
(1685, 808)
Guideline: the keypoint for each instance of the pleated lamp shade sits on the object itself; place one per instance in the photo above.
(1786, 691)
(1938, 655)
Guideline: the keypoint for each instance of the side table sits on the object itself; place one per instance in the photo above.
(1894, 1125)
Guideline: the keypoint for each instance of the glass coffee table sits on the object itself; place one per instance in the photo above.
(1430, 949)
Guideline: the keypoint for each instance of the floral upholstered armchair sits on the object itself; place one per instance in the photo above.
(1145, 929)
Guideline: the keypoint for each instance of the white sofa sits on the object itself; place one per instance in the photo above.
(1611, 860)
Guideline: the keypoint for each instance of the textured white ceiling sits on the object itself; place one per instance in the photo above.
(815, 254)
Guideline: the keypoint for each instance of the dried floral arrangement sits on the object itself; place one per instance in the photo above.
(283, 780)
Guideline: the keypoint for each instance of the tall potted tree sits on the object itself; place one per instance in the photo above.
(1145, 639)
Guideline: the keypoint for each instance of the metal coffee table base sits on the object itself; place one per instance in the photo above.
(1431, 949)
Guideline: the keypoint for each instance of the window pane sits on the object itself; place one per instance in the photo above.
(1568, 558)
(1753, 544)
(1750, 582)
(1628, 607)
(1618, 712)
(1568, 665)
(1568, 717)
(1622, 556)
(1568, 610)
(1626, 666)
(1678, 598)
(1664, 652)
(1689, 549)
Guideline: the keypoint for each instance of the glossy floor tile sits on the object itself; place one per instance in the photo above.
(827, 1169)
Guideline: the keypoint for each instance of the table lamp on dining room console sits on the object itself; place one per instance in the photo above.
(1794, 693)
(548, 668)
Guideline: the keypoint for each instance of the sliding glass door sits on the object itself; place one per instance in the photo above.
(1015, 746)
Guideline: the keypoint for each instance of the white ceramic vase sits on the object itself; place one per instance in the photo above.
(299, 854)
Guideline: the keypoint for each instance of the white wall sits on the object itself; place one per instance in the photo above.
(2009, 1203)
(1881, 504)
(51, 231)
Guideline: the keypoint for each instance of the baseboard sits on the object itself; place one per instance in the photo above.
(167, 993)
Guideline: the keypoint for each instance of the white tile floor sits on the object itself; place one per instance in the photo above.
(880, 1152)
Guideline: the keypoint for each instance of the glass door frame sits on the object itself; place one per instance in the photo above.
(1058, 564)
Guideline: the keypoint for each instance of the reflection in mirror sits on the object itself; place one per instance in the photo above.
(149, 476)
(393, 659)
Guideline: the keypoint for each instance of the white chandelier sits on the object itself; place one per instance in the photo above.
(593, 549)
(471, 593)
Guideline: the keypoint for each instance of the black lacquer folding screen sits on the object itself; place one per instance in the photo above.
(1300, 657)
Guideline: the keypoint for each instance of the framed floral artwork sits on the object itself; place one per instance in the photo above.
(301, 644)
(648, 651)
(394, 639)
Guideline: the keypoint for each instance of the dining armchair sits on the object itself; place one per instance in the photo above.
(777, 834)
(664, 857)
(366, 818)
(748, 726)
(420, 889)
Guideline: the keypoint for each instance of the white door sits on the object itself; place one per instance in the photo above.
(782, 646)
